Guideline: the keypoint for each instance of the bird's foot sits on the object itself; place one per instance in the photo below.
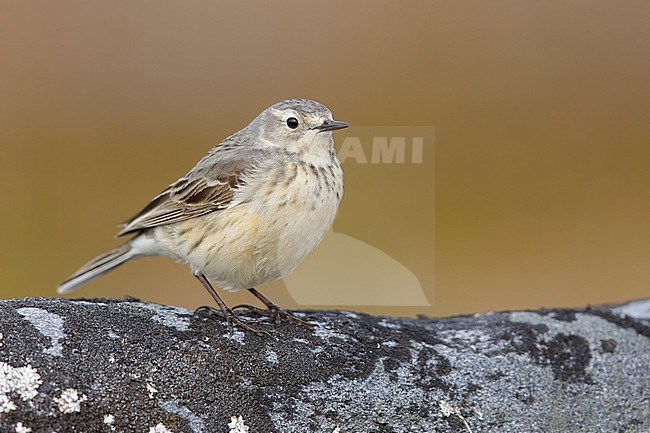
(276, 314)
(232, 319)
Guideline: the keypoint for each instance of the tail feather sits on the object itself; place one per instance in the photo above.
(97, 266)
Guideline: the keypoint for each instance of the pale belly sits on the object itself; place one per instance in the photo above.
(259, 240)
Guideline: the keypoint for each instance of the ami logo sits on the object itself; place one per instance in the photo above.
(375, 145)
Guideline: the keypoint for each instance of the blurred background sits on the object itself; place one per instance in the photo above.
(534, 189)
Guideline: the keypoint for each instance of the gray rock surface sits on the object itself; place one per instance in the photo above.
(125, 366)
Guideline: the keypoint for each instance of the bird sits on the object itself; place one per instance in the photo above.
(247, 213)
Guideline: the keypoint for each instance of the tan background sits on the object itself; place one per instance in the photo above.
(542, 135)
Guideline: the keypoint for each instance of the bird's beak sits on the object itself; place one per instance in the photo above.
(331, 125)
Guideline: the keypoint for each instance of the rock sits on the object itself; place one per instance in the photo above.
(126, 366)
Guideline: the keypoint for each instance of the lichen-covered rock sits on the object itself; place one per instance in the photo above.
(125, 366)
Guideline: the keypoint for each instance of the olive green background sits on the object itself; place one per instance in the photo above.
(537, 193)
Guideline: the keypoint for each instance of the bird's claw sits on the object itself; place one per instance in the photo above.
(232, 320)
(276, 314)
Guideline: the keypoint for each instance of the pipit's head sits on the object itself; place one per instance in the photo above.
(298, 125)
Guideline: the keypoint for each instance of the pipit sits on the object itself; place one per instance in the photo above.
(248, 212)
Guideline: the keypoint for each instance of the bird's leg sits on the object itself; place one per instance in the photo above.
(225, 312)
(275, 312)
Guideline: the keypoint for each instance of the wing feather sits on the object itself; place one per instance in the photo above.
(183, 200)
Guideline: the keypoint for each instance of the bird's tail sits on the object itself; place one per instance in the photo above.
(98, 266)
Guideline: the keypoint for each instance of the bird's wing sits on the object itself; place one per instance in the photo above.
(186, 198)
(209, 187)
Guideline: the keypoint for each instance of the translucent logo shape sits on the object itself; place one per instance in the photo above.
(346, 271)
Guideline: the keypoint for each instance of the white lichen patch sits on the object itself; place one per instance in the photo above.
(316, 350)
(475, 338)
(20, 428)
(159, 428)
(272, 357)
(390, 343)
(389, 324)
(350, 314)
(195, 423)
(109, 419)
(70, 401)
(48, 324)
(235, 335)
(151, 390)
(324, 333)
(236, 425)
(447, 410)
(637, 309)
(6, 405)
(24, 381)
(169, 316)
(91, 304)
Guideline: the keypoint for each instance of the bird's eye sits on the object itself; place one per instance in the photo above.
(292, 122)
